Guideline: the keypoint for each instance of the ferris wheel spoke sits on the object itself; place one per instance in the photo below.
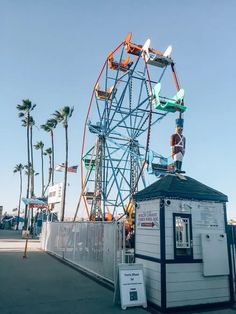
(124, 199)
(125, 148)
(117, 108)
(115, 178)
(153, 123)
(130, 103)
(118, 167)
(123, 94)
(123, 178)
(139, 128)
(127, 115)
(139, 100)
(98, 110)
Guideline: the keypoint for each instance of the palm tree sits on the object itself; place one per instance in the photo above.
(24, 112)
(49, 126)
(48, 152)
(40, 146)
(19, 168)
(30, 122)
(63, 116)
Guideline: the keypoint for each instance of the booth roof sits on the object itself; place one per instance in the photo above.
(176, 187)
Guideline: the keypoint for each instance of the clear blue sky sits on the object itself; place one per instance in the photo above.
(52, 51)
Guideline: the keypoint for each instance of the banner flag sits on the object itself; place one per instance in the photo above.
(72, 169)
(61, 167)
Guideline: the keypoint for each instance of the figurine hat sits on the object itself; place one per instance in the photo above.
(179, 123)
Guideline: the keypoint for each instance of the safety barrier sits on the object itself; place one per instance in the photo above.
(96, 247)
(231, 230)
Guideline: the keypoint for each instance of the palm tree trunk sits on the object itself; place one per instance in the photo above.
(32, 175)
(65, 177)
(18, 214)
(42, 169)
(28, 179)
(32, 162)
(49, 174)
(53, 161)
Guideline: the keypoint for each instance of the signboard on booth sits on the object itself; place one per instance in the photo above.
(55, 193)
(130, 286)
(147, 218)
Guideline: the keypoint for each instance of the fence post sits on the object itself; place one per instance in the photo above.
(233, 255)
(75, 231)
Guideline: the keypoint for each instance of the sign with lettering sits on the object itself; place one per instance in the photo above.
(55, 193)
(130, 284)
(209, 215)
(147, 218)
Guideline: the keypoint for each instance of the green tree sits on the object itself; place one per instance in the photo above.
(25, 110)
(62, 116)
(40, 146)
(49, 126)
(19, 168)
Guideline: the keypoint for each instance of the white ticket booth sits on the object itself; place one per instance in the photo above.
(181, 240)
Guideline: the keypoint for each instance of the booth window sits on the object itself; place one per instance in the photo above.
(183, 236)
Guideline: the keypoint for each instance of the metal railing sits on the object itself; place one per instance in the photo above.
(96, 247)
(231, 230)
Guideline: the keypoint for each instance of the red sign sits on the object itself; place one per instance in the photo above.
(32, 205)
(147, 224)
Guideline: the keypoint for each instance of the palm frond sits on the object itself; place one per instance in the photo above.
(45, 127)
(39, 145)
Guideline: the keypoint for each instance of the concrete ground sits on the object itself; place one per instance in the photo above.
(41, 284)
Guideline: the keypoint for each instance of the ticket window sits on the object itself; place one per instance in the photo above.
(182, 236)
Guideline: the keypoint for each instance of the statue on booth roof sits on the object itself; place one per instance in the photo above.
(177, 144)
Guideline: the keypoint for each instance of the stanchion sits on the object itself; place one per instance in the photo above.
(26, 245)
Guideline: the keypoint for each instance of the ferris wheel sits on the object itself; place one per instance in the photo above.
(125, 104)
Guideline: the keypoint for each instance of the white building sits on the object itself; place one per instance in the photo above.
(181, 242)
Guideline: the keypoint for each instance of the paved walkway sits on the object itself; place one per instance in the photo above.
(41, 284)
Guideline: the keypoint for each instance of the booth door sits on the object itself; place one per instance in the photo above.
(182, 224)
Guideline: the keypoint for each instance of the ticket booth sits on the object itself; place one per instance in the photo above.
(181, 240)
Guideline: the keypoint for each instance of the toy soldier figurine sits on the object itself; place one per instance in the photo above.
(177, 144)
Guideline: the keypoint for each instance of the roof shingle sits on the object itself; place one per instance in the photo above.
(175, 187)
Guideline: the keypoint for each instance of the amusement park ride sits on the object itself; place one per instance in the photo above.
(124, 106)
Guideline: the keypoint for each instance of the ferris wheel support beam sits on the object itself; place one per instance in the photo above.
(115, 178)
(97, 211)
(84, 184)
(133, 165)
